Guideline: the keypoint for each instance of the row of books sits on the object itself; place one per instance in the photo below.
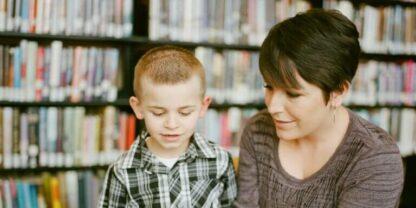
(232, 76)
(384, 83)
(63, 137)
(400, 123)
(231, 22)
(69, 189)
(71, 17)
(33, 72)
(224, 127)
(386, 29)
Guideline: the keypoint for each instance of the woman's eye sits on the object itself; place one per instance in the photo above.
(292, 94)
(267, 86)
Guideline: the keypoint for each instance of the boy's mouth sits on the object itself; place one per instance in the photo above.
(171, 137)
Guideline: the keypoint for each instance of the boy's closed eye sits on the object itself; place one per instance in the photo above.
(185, 113)
(157, 113)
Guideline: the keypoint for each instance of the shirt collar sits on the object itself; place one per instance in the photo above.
(140, 156)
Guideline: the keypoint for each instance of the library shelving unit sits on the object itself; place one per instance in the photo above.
(133, 46)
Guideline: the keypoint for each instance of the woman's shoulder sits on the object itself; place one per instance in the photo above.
(260, 122)
(370, 135)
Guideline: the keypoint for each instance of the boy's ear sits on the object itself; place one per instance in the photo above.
(135, 105)
(205, 104)
(337, 97)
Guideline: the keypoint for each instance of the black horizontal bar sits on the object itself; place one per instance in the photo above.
(120, 103)
(386, 2)
(28, 171)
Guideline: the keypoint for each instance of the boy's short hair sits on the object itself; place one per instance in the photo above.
(320, 45)
(168, 65)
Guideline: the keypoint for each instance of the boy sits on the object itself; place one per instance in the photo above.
(169, 165)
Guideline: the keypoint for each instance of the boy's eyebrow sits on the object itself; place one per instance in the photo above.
(181, 108)
(186, 107)
(157, 107)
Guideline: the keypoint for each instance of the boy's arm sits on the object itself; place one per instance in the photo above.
(230, 186)
(113, 192)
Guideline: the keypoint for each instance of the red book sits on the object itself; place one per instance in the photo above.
(131, 130)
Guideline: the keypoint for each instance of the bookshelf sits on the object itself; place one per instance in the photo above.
(131, 47)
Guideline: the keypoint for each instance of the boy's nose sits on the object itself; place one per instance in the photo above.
(171, 122)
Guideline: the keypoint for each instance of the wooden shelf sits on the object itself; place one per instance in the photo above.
(120, 103)
(28, 171)
(386, 2)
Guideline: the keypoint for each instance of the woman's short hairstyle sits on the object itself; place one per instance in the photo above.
(320, 45)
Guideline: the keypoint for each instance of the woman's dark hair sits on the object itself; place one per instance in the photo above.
(320, 45)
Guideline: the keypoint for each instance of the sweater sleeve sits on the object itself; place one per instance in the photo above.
(375, 181)
(247, 178)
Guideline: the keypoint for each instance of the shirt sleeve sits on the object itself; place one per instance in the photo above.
(375, 181)
(113, 193)
(230, 186)
(247, 176)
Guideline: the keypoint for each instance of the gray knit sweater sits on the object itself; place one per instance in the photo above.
(366, 170)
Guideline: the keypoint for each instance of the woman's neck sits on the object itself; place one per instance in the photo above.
(329, 135)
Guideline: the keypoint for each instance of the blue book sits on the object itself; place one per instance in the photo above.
(33, 195)
(20, 195)
(16, 67)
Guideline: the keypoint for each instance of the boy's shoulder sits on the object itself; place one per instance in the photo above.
(200, 147)
(129, 158)
(208, 148)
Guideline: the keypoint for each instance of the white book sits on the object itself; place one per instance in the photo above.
(108, 128)
(103, 18)
(69, 144)
(7, 136)
(260, 22)
(24, 141)
(61, 17)
(10, 16)
(87, 30)
(8, 197)
(406, 132)
(186, 30)
(173, 29)
(69, 20)
(118, 19)
(72, 190)
(54, 17)
(127, 17)
(3, 14)
(346, 8)
(54, 79)
(52, 135)
(110, 21)
(39, 16)
(47, 15)
(78, 134)
(371, 24)
(17, 18)
(31, 71)
(154, 19)
(95, 17)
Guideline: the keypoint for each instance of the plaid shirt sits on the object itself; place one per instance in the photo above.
(202, 177)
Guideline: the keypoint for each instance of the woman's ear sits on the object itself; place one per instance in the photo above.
(135, 105)
(205, 104)
(336, 97)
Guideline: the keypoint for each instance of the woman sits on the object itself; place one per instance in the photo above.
(306, 149)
